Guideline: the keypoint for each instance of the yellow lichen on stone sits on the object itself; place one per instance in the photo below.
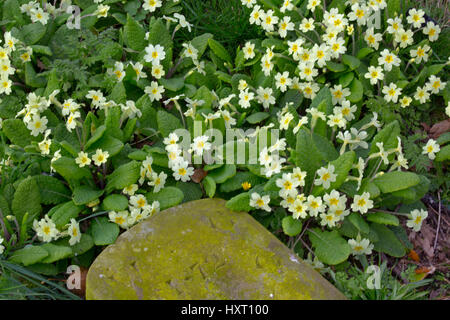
(202, 250)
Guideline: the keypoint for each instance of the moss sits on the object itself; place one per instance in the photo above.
(201, 250)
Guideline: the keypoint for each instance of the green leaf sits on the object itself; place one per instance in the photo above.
(107, 143)
(336, 67)
(103, 232)
(69, 148)
(29, 255)
(27, 199)
(52, 190)
(172, 84)
(443, 154)
(85, 194)
(167, 197)
(357, 90)
(352, 62)
(257, 117)
(240, 202)
(236, 183)
(330, 247)
(158, 34)
(17, 132)
(222, 174)
(342, 167)
(393, 8)
(64, 213)
(123, 176)
(210, 186)
(200, 43)
(396, 180)
(364, 52)
(55, 252)
(32, 33)
(308, 157)
(115, 202)
(325, 147)
(346, 79)
(69, 170)
(11, 10)
(383, 218)
(167, 123)
(359, 222)
(95, 137)
(387, 241)
(134, 35)
(32, 79)
(219, 50)
(291, 226)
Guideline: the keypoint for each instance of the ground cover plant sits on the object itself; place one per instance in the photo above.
(310, 124)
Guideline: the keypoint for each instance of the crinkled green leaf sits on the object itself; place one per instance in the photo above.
(167, 197)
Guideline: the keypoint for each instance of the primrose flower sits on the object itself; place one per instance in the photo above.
(268, 21)
(138, 201)
(182, 172)
(154, 91)
(422, 95)
(137, 67)
(417, 217)
(71, 121)
(387, 60)
(283, 81)
(395, 25)
(102, 11)
(83, 159)
(374, 74)
(286, 184)
(299, 209)
(37, 125)
(38, 15)
(435, 84)
(120, 218)
(391, 92)
(362, 203)
(100, 157)
(5, 86)
(45, 229)
(158, 181)
(373, 39)
(287, 5)
(334, 199)
(325, 176)
(360, 246)
(155, 54)
(258, 202)
(200, 144)
(415, 17)
(338, 94)
(245, 97)
(329, 219)
(2, 248)
(285, 26)
(432, 31)
(315, 206)
(265, 97)
(74, 232)
(256, 15)
(431, 148)
(312, 4)
(151, 5)
(130, 190)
